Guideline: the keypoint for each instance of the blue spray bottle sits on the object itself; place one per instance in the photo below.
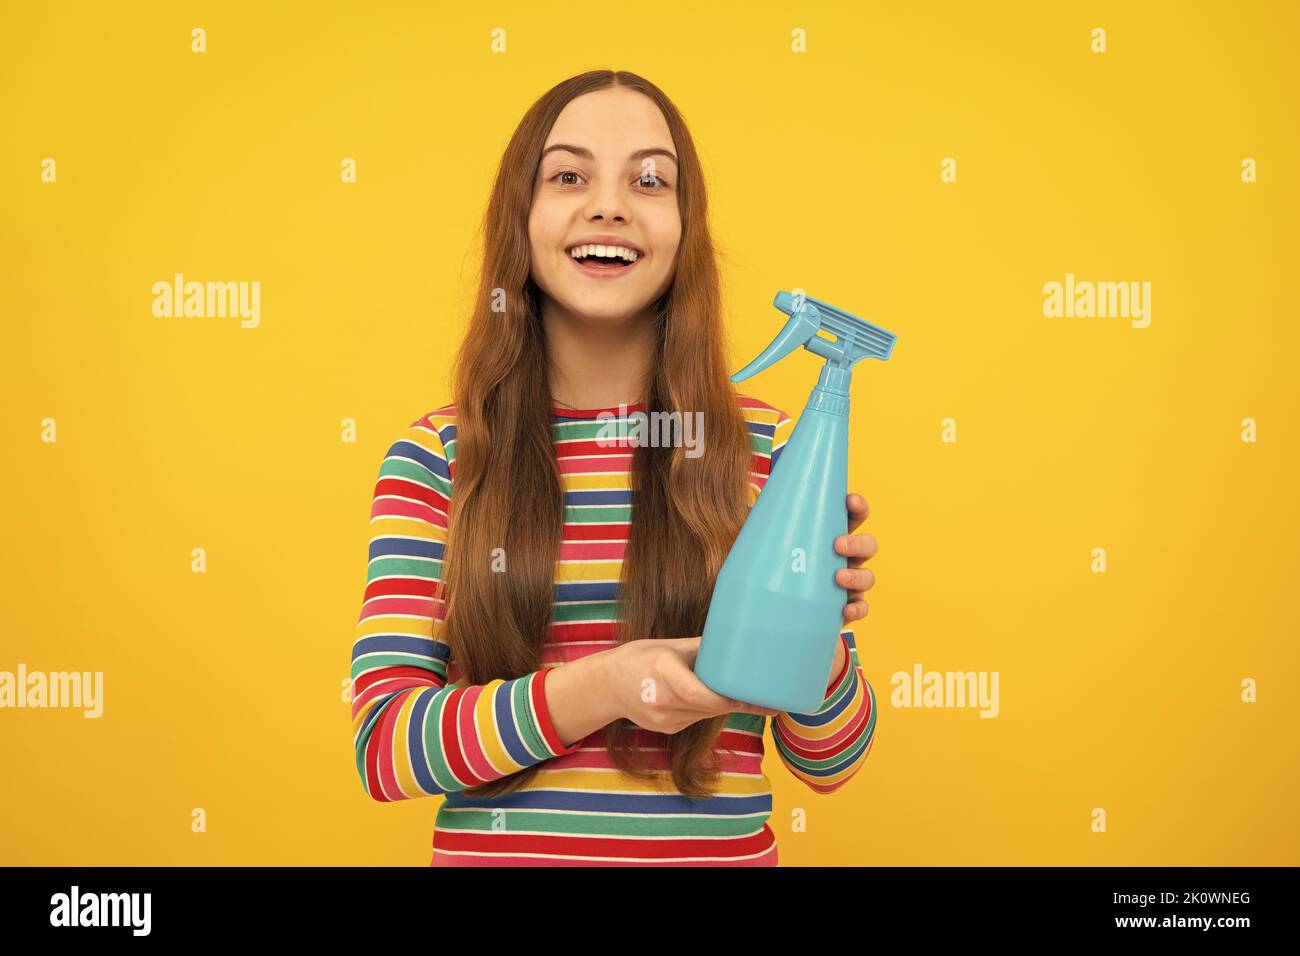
(776, 613)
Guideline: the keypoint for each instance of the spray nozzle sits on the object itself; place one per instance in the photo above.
(855, 339)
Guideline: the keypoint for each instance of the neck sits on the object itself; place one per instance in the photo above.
(598, 363)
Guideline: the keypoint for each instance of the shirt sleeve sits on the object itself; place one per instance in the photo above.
(827, 747)
(414, 734)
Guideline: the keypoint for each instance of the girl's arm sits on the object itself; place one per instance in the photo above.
(414, 734)
(580, 696)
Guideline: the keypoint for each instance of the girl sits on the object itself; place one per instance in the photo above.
(526, 638)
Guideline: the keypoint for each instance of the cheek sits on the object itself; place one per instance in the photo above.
(668, 237)
(543, 228)
(667, 250)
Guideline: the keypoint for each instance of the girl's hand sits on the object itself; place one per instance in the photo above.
(859, 548)
(654, 686)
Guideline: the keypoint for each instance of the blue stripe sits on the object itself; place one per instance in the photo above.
(503, 707)
(586, 591)
(403, 448)
(415, 741)
(403, 644)
(390, 546)
(721, 805)
(617, 497)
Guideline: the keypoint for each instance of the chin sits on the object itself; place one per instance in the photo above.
(608, 307)
(615, 313)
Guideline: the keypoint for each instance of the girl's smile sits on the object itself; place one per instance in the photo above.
(605, 256)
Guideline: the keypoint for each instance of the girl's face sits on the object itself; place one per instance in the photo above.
(608, 176)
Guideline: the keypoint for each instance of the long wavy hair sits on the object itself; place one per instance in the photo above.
(507, 491)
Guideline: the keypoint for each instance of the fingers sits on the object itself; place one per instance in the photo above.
(855, 611)
(739, 706)
(697, 696)
(687, 698)
(858, 509)
(855, 579)
(692, 694)
(858, 547)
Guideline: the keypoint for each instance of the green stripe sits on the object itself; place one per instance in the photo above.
(521, 705)
(593, 428)
(590, 824)
(441, 773)
(571, 613)
(414, 471)
(406, 566)
(597, 514)
(365, 662)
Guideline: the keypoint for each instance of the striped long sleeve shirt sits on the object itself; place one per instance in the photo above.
(419, 731)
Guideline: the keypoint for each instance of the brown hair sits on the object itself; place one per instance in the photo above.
(507, 492)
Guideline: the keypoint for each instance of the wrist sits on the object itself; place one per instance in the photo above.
(837, 663)
(605, 676)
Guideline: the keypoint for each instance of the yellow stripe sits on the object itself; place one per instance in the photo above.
(610, 781)
(486, 725)
(416, 625)
(569, 573)
(601, 482)
(406, 528)
(782, 434)
(401, 750)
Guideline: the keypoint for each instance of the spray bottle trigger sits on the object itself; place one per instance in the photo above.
(798, 330)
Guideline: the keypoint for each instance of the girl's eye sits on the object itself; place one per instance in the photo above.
(646, 181)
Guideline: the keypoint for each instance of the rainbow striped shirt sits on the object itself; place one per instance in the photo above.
(418, 732)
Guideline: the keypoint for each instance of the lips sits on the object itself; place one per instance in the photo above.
(605, 239)
(599, 270)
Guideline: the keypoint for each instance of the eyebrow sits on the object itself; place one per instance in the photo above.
(587, 154)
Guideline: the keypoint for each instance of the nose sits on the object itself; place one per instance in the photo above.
(607, 201)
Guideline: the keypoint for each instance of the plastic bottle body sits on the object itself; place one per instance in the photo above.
(777, 611)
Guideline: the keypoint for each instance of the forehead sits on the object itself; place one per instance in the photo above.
(614, 121)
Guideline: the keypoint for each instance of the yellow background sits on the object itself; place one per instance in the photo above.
(224, 690)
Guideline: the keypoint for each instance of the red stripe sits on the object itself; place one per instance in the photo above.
(594, 458)
(401, 508)
(619, 847)
(592, 550)
(423, 587)
(410, 489)
(594, 532)
(543, 713)
(394, 679)
(451, 741)
(581, 631)
(381, 742)
(768, 858)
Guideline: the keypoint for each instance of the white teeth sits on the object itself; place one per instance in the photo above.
(578, 252)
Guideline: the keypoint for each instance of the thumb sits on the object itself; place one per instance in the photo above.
(688, 647)
(743, 707)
